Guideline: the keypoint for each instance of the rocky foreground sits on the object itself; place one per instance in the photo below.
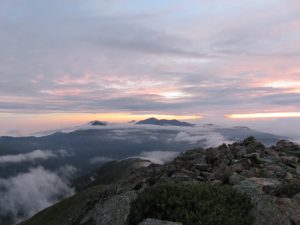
(269, 176)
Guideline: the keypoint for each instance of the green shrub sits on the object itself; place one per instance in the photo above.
(192, 204)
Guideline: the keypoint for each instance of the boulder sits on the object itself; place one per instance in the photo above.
(111, 211)
(277, 171)
(241, 152)
(249, 187)
(296, 198)
(288, 147)
(252, 172)
(289, 207)
(241, 165)
(289, 159)
(179, 177)
(253, 145)
(290, 187)
(235, 179)
(298, 170)
(270, 210)
(158, 222)
(254, 157)
(237, 167)
(202, 167)
(265, 212)
(257, 186)
(223, 173)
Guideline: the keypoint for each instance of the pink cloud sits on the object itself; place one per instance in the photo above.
(68, 80)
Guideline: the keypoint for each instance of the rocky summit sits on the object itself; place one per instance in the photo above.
(269, 176)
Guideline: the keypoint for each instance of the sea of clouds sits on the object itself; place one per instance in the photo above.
(32, 156)
(27, 193)
(158, 157)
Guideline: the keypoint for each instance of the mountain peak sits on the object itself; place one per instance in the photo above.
(97, 123)
(164, 122)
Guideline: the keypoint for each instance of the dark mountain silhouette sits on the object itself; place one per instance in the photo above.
(97, 123)
(164, 122)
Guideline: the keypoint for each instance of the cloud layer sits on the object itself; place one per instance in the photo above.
(158, 157)
(25, 194)
(209, 137)
(32, 156)
(27, 157)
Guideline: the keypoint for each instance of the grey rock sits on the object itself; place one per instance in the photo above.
(235, 179)
(158, 222)
(238, 167)
(288, 147)
(296, 198)
(270, 210)
(289, 159)
(248, 187)
(181, 177)
(254, 157)
(241, 153)
(112, 211)
(202, 167)
(290, 187)
(257, 186)
(298, 170)
(265, 212)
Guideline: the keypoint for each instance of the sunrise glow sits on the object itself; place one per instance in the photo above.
(119, 117)
(293, 85)
(175, 94)
(264, 115)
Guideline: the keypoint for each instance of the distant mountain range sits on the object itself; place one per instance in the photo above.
(98, 142)
(85, 148)
(164, 122)
(150, 121)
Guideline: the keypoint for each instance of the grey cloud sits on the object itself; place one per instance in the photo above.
(66, 172)
(282, 99)
(41, 42)
(202, 97)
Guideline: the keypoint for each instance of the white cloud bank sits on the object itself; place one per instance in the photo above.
(159, 157)
(210, 139)
(25, 194)
(26, 157)
(32, 156)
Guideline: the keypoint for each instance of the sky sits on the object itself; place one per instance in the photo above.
(65, 62)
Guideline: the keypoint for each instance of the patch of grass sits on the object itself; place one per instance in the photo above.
(192, 204)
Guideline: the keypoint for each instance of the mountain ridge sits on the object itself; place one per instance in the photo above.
(164, 122)
(270, 176)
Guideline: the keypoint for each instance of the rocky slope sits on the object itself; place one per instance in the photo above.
(269, 176)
